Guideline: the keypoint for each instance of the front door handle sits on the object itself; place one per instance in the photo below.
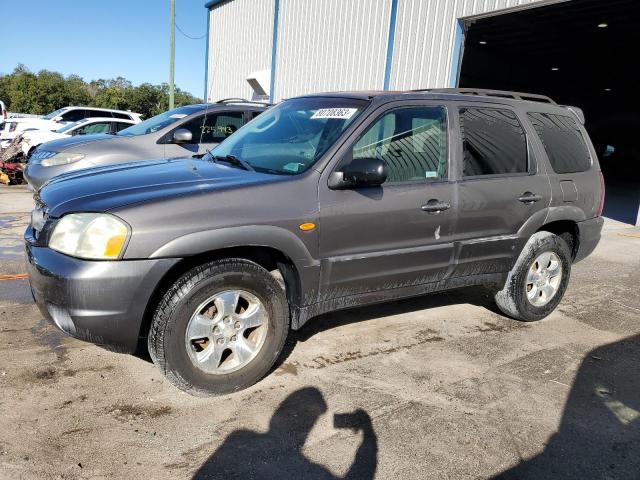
(529, 198)
(435, 206)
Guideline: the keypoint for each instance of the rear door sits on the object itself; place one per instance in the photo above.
(391, 236)
(207, 131)
(501, 186)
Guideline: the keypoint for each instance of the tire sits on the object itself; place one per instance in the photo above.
(177, 357)
(513, 299)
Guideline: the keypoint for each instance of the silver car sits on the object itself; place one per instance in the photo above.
(181, 132)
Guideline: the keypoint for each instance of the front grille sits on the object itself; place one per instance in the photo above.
(43, 154)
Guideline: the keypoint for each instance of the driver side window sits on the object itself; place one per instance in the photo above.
(412, 142)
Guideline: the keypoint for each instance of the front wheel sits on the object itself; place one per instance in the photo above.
(537, 282)
(220, 327)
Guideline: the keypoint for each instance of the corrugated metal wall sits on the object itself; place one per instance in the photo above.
(425, 38)
(240, 37)
(331, 45)
(328, 45)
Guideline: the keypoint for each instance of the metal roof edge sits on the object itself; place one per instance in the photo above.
(212, 3)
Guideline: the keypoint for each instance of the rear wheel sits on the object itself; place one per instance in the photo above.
(220, 327)
(536, 284)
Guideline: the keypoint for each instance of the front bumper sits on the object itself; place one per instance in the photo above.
(589, 233)
(102, 302)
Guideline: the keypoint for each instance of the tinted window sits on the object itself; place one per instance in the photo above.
(73, 115)
(253, 114)
(562, 141)
(494, 142)
(214, 128)
(411, 141)
(120, 126)
(120, 115)
(96, 113)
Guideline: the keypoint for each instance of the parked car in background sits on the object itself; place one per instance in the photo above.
(181, 132)
(30, 139)
(58, 118)
(324, 202)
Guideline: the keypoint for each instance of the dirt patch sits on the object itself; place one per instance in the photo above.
(127, 412)
(51, 337)
(287, 369)
(323, 361)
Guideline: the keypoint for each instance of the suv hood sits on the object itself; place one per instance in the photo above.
(106, 188)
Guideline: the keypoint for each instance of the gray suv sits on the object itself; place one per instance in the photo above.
(183, 131)
(324, 202)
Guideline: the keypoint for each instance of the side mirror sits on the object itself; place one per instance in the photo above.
(360, 172)
(57, 119)
(182, 135)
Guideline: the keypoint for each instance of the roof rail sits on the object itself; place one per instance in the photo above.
(531, 97)
(241, 100)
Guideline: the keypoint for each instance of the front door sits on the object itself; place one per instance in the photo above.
(207, 131)
(398, 234)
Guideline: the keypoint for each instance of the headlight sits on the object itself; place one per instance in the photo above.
(98, 236)
(62, 159)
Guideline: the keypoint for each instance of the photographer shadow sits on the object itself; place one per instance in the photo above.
(278, 452)
(599, 434)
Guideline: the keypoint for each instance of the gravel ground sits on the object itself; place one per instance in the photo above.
(436, 387)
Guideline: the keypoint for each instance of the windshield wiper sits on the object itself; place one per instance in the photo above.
(232, 160)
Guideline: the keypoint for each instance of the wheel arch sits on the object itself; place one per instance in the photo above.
(270, 258)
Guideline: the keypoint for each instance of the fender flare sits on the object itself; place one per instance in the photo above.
(280, 239)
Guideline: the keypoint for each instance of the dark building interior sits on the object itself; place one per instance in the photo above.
(579, 52)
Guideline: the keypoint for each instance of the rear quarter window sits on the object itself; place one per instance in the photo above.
(563, 142)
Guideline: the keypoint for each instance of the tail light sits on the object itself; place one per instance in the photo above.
(601, 205)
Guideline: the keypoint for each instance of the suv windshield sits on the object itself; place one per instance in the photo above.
(54, 114)
(158, 122)
(290, 137)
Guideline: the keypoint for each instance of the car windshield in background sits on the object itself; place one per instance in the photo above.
(158, 122)
(70, 126)
(54, 114)
(290, 137)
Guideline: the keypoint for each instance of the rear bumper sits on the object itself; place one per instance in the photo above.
(589, 233)
(102, 302)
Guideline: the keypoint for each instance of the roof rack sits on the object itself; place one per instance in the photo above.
(241, 100)
(531, 97)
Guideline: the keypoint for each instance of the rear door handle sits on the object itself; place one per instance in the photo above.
(528, 198)
(435, 206)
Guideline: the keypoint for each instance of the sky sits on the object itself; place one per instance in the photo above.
(105, 39)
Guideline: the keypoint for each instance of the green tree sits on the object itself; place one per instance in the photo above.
(27, 92)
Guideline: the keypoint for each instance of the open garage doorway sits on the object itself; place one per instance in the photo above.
(579, 52)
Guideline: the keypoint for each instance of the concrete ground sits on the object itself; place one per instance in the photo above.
(436, 387)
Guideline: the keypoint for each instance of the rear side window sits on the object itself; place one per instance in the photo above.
(73, 115)
(494, 142)
(411, 141)
(121, 126)
(96, 113)
(563, 142)
(120, 115)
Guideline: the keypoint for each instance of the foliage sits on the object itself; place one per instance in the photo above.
(40, 93)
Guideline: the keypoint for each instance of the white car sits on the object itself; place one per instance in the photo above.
(53, 121)
(88, 126)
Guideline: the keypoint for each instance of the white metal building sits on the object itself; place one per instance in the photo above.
(579, 52)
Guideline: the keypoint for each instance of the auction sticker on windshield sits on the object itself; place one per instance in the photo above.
(335, 113)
